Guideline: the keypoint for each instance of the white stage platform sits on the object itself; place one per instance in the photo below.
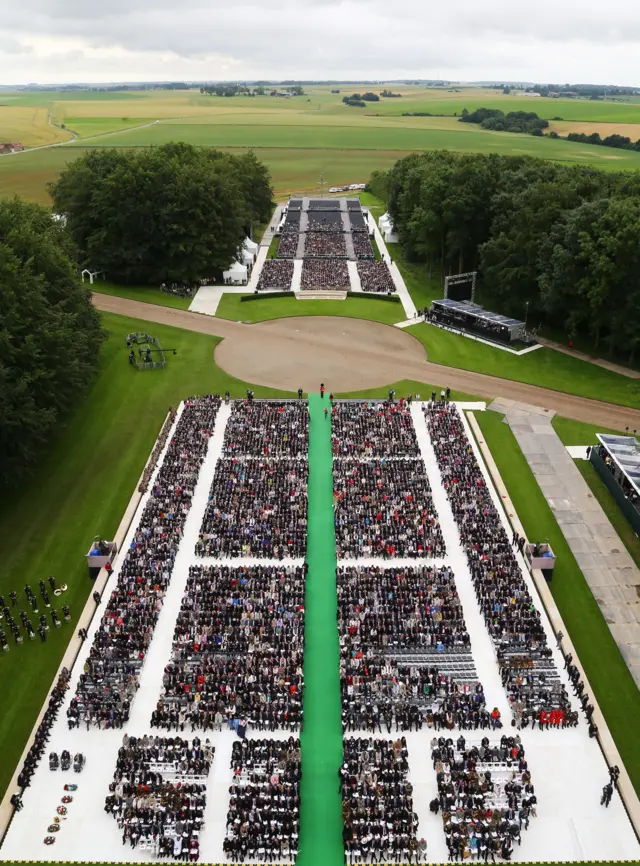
(567, 768)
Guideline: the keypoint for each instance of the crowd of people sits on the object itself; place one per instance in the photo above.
(485, 795)
(325, 274)
(263, 821)
(110, 678)
(405, 654)
(267, 428)
(288, 245)
(325, 222)
(375, 277)
(37, 749)
(158, 794)
(327, 244)
(380, 823)
(373, 430)
(384, 508)
(514, 622)
(237, 650)
(161, 441)
(362, 245)
(276, 274)
(257, 507)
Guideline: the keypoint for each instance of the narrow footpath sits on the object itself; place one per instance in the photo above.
(321, 739)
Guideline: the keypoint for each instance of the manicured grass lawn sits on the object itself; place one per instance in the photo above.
(81, 490)
(423, 288)
(577, 432)
(406, 387)
(611, 509)
(147, 294)
(274, 246)
(231, 307)
(544, 367)
(615, 689)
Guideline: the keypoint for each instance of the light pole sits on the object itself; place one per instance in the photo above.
(322, 182)
(526, 314)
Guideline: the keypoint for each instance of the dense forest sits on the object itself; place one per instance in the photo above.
(559, 240)
(174, 213)
(50, 334)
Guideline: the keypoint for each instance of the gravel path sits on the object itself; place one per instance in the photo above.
(351, 355)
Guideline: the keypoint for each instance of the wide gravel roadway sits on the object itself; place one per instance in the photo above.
(351, 355)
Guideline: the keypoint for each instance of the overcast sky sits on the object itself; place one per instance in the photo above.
(586, 41)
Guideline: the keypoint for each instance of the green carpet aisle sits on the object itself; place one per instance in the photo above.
(321, 812)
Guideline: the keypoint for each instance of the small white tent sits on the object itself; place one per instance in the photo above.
(385, 224)
(236, 275)
(246, 257)
(251, 246)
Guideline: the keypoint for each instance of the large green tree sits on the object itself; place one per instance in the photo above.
(50, 334)
(175, 213)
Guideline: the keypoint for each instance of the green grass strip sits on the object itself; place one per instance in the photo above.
(321, 812)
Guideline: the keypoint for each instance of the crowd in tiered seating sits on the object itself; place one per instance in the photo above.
(405, 654)
(257, 507)
(267, 428)
(325, 274)
(514, 622)
(276, 274)
(485, 794)
(288, 245)
(237, 651)
(380, 824)
(158, 794)
(384, 508)
(110, 680)
(329, 222)
(375, 277)
(362, 245)
(374, 429)
(263, 821)
(324, 245)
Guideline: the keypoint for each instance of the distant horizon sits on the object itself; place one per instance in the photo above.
(255, 82)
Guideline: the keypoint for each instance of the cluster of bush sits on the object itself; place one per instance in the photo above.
(620, 141)
(359, 100)
(498, 121)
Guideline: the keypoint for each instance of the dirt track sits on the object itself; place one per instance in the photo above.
(350, 355)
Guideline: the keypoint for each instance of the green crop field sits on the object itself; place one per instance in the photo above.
(298, 138)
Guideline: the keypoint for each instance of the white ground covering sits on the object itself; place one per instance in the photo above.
(578, 452)
(567, 767)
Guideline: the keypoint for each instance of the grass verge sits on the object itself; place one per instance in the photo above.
(146, 294)
(614, 687)
(544, 367)
(231, 307)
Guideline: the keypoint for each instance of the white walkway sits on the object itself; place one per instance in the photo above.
(410, 310)
(354, 276)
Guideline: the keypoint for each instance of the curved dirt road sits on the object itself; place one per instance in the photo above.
(350, 355)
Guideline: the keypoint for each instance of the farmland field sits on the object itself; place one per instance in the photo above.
(299, 138)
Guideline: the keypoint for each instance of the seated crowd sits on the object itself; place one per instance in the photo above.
(267, 428)
(405, 654)
(237, 650)
(380, 824)
(362, 245)
(263, 821)
(110, 679)
(37, 748)
(515, 624)
(325, 245)
(158, 794)
(325, 274)
(384, 508)
(373, 429)
(276, 274)
(485, 794)
(257, 507)
(375, 277)
(288, 245)
(325, 222)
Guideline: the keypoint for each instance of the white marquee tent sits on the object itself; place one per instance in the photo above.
(236, 275)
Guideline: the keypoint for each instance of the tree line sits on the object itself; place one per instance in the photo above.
(498, 121)
(560, 242)
(50, 335)
(175, 213)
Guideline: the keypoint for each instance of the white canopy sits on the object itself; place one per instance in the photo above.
(250, 245)
(237, 273)
(246, 256)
